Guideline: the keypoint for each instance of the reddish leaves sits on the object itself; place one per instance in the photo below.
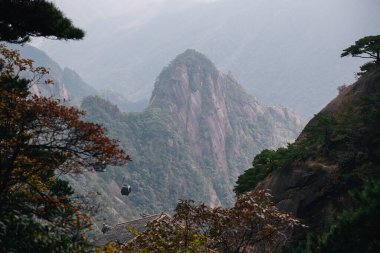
(254, 224)
(40, 139)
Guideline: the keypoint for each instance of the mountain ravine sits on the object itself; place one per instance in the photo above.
(199, 132)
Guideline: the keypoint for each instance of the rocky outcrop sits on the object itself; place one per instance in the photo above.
(222, 124)
(305, 193)
(316, 188)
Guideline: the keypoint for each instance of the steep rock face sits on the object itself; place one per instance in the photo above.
(198, 133)
(223, 125)
(316, 187)
(305, 193)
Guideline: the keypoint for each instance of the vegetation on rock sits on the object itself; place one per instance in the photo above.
(265, 163)
(192, 141)
(353, 230)
(342, 145)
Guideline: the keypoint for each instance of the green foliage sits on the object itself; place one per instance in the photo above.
(162, 169)
(369, 114)
(353, 230)
(319, 134)
(340, 139)
(354, 145)
(356, 230)
(265, 163)
(20, 232)
(169, 162)
(366, 47)
(20, 19)
(262, 165)
(347, 143)
(367, 67)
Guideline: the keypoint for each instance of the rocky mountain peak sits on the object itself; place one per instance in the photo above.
(217, 117)
(189, 73)
(199, 132)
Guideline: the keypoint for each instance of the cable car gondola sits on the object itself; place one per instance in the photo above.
(125, 189)
(100, 166)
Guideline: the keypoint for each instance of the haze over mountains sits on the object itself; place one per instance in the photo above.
(283, 51)
(199, 132)
(68, 85)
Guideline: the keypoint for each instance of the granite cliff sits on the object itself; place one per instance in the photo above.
(198, 133)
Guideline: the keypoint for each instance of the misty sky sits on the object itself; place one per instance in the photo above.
(240, 36)
(84, 12)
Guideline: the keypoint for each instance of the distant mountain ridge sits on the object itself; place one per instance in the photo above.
(199, 132)
(284, 51)
(68, 85)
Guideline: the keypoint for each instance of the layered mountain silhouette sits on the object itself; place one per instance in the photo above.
(284, 51)
(68, 85)
(199, 132)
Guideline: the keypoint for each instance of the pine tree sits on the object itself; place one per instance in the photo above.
(21, 19)
(367, 48)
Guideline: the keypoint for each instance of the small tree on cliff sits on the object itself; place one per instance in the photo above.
(20, 19)
(41, 139)
(368, 48)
